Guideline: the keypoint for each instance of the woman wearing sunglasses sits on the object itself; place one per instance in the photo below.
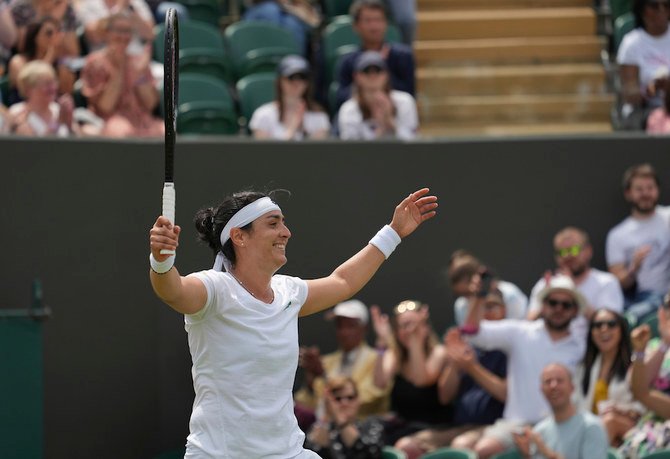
(293, 115)
(338, 434)
(601, 383)
(375, 111)
(411, 358)
(644, 58)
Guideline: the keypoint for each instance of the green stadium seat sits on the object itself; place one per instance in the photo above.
(450, 453)
(256, 46)
(208, 11)
(192, 34)
(661, 454)
(253, 91)
(389, 452)
(334, 8)
(613, 453)
(511, 454)
(206, 106)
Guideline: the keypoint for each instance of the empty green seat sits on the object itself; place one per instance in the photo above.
(450, 453)
(256, 46)
(389, 452)
(203, 10)
(255, 90)
(205, 106)
(622, 25)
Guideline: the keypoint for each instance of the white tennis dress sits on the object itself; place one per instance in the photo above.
(245, 355)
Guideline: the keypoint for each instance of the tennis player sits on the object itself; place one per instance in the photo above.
(242, 322)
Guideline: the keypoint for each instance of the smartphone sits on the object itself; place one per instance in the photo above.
(486, 277)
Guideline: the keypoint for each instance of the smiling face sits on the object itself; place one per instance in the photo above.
(265, 243)
(606, 331)
(558, 309)
(557, 386)
(643, 194)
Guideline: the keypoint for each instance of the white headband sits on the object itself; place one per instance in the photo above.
(243, 217)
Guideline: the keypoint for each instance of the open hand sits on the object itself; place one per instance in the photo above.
(413, 211)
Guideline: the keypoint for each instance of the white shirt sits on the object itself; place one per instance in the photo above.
(601, 289)
(631, 234)
(650, 54)
(266, 119)
(245, 355)
(515, 303)
(352, 126)
(529, 349)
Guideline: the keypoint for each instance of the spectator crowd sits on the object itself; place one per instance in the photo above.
(574, 370)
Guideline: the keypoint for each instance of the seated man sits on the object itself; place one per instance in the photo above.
(463, 266)
(573, 253)
(354, 358)
(638, 248)
(567, 432)
(370, 23)
(529, 346)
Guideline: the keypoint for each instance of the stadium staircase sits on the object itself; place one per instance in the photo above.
(510, 67)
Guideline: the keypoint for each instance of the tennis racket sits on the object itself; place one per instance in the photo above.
(170, 98)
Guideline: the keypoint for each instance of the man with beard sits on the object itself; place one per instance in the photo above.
(573, 252)
(529, 346)
(638, 248)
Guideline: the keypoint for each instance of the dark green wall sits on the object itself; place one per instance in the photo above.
(116, 363)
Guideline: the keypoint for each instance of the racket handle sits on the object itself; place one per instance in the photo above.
(169, 200)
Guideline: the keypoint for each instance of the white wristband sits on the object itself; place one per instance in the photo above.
(386, 240)
(161, 267)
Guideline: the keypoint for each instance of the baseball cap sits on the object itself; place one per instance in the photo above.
(562, 283)
(353, 309)
(292, 64)
(370, 59)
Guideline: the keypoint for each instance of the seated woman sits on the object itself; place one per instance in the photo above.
(650, 383)
(26, 12)
(375, 111)
(600, 381)
(644, 60)
(294, 115)
(410, 358)
(44, 40)
(41, 114)
(120, 88)
(338, 434)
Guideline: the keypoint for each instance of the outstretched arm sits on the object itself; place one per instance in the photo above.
(186, 295)
(353, 274)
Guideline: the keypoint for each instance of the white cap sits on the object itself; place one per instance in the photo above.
(354, 309)
(563, 283)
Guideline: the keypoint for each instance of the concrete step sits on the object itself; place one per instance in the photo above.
(432, 5)
(529, 22)
(441, 130)
(516, 109)
(585, 78)
(509, 50)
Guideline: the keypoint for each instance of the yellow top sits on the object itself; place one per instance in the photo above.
(600, 394)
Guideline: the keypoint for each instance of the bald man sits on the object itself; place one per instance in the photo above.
(568, 433)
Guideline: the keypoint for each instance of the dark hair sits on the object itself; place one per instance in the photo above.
(358, 5)
(32, 30)
(310, 104)
(464, 271)
(639, 170)
(638, 12)
(366, 111)
(432, 340)
(209, 221)
(623, 355)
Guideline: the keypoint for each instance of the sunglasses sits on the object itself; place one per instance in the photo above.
(407, 306)
(569, 251)
(372, 69)
(297, 77)
(348, 398)
(657, 5)
(598, 324)
(566, 305)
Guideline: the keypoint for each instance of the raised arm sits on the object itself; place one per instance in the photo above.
(386, 365)
(654, 400)
(353, 274)
(186, 295)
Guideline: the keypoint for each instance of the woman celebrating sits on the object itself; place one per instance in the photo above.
(411, 358)
(644, 57)
(294, 115)
(43, 41)
(242, 323)
(119, 86)
(601, 379)
(375, 111)
(42, 114)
